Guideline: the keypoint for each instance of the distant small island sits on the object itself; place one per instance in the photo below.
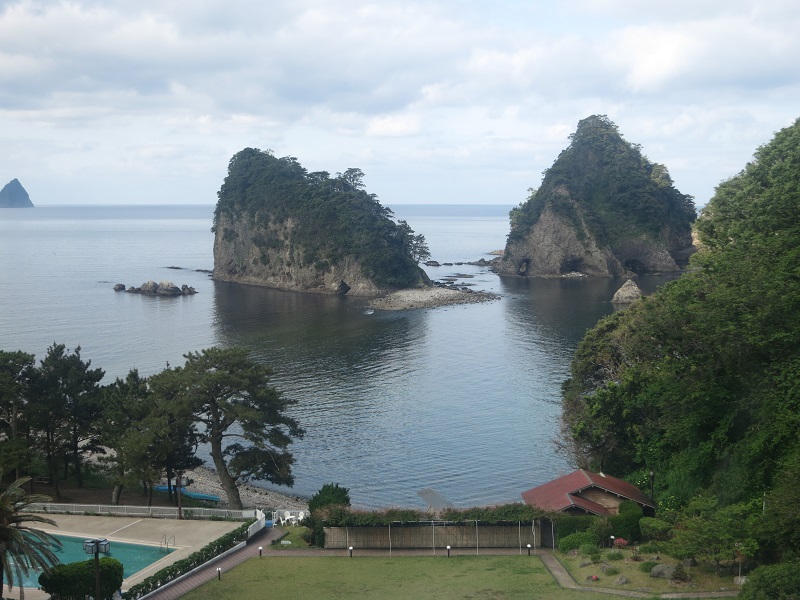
(13, 195)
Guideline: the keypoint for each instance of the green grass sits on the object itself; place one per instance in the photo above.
(703, 578)
(295, 536)
(388, 578)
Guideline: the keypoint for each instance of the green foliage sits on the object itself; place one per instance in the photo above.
(707, 532)
(329, 494)
(505, 513)
(700, 382)
(680, 573)
(223, 390)
(576, 540)
(647, 566)
(651, 548)
(23, 546)
(76, 581)
(611, 571)
(331, 219)
(569, 524)
(626, 523)
(654, 529)
(194, 560)
(622, 195)
(588, 549)
(615, 555)
(773, 582)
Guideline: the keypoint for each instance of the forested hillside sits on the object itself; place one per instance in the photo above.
(700, 382)
(277, 224)
(603, 209)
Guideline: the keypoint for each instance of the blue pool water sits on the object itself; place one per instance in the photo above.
(134, 557)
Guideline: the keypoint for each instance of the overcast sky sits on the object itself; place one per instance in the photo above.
(437, 101)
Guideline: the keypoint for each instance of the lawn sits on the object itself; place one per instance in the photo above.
(388, 578)
(702, 578)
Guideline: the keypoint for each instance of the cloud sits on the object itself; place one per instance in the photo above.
(415, 91)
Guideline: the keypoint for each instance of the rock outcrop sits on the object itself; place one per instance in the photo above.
(629, 292)
(151, 288)
(603, 210)
(13, 195)
(276, 225)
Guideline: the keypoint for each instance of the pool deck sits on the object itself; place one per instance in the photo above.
(184, 536)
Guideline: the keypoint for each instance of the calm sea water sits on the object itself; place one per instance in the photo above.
(463, 399)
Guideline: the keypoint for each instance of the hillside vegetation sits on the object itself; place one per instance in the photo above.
(700, 382)
(311, 222)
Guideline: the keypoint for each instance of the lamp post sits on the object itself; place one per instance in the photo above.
(529, 549)
(95, 546)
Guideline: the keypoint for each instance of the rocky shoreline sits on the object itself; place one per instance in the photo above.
(205, 481)
(429, 298)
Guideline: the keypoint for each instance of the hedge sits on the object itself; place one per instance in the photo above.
(76, 581)
(194, 560)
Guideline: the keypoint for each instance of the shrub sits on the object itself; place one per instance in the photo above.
(574, 541)
(680, 573)
(595, 558)
(654, 529)
(616, 555)
(76, 581)
(329, 494)
(588, 549)
(611, 571)
(772, 582)
(647, 566)
(626, 523)
(569, 524)
(651, 548)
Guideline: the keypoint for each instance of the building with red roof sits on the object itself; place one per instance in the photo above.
(583, 492)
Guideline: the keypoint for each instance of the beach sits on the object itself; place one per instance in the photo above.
(205, 481)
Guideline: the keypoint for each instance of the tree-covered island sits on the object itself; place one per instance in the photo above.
(279, 226)
(603, 209)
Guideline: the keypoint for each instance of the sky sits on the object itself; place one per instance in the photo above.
(437, 101)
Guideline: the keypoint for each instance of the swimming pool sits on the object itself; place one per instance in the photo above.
(134, 557)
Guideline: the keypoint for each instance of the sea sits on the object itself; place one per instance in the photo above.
(462, 400)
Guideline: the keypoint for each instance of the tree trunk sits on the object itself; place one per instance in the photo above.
(116, 493)
(228, 482)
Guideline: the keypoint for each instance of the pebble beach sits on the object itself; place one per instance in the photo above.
(205, 481)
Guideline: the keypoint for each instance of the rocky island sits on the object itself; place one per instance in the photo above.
(603, 210)
(13, 195)
(279, 226)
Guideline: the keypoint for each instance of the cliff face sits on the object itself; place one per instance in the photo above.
(13, 195)
(603, 210)
(277, 225)
(237, 258)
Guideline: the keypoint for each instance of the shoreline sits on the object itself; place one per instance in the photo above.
(205, 481)
(432, 297)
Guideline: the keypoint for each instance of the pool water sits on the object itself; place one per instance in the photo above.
(134, 557)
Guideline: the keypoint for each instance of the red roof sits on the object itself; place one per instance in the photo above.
(564, 493)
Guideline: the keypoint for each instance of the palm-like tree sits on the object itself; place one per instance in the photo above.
(21, 546)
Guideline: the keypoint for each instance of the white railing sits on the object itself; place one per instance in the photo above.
(164, 512)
